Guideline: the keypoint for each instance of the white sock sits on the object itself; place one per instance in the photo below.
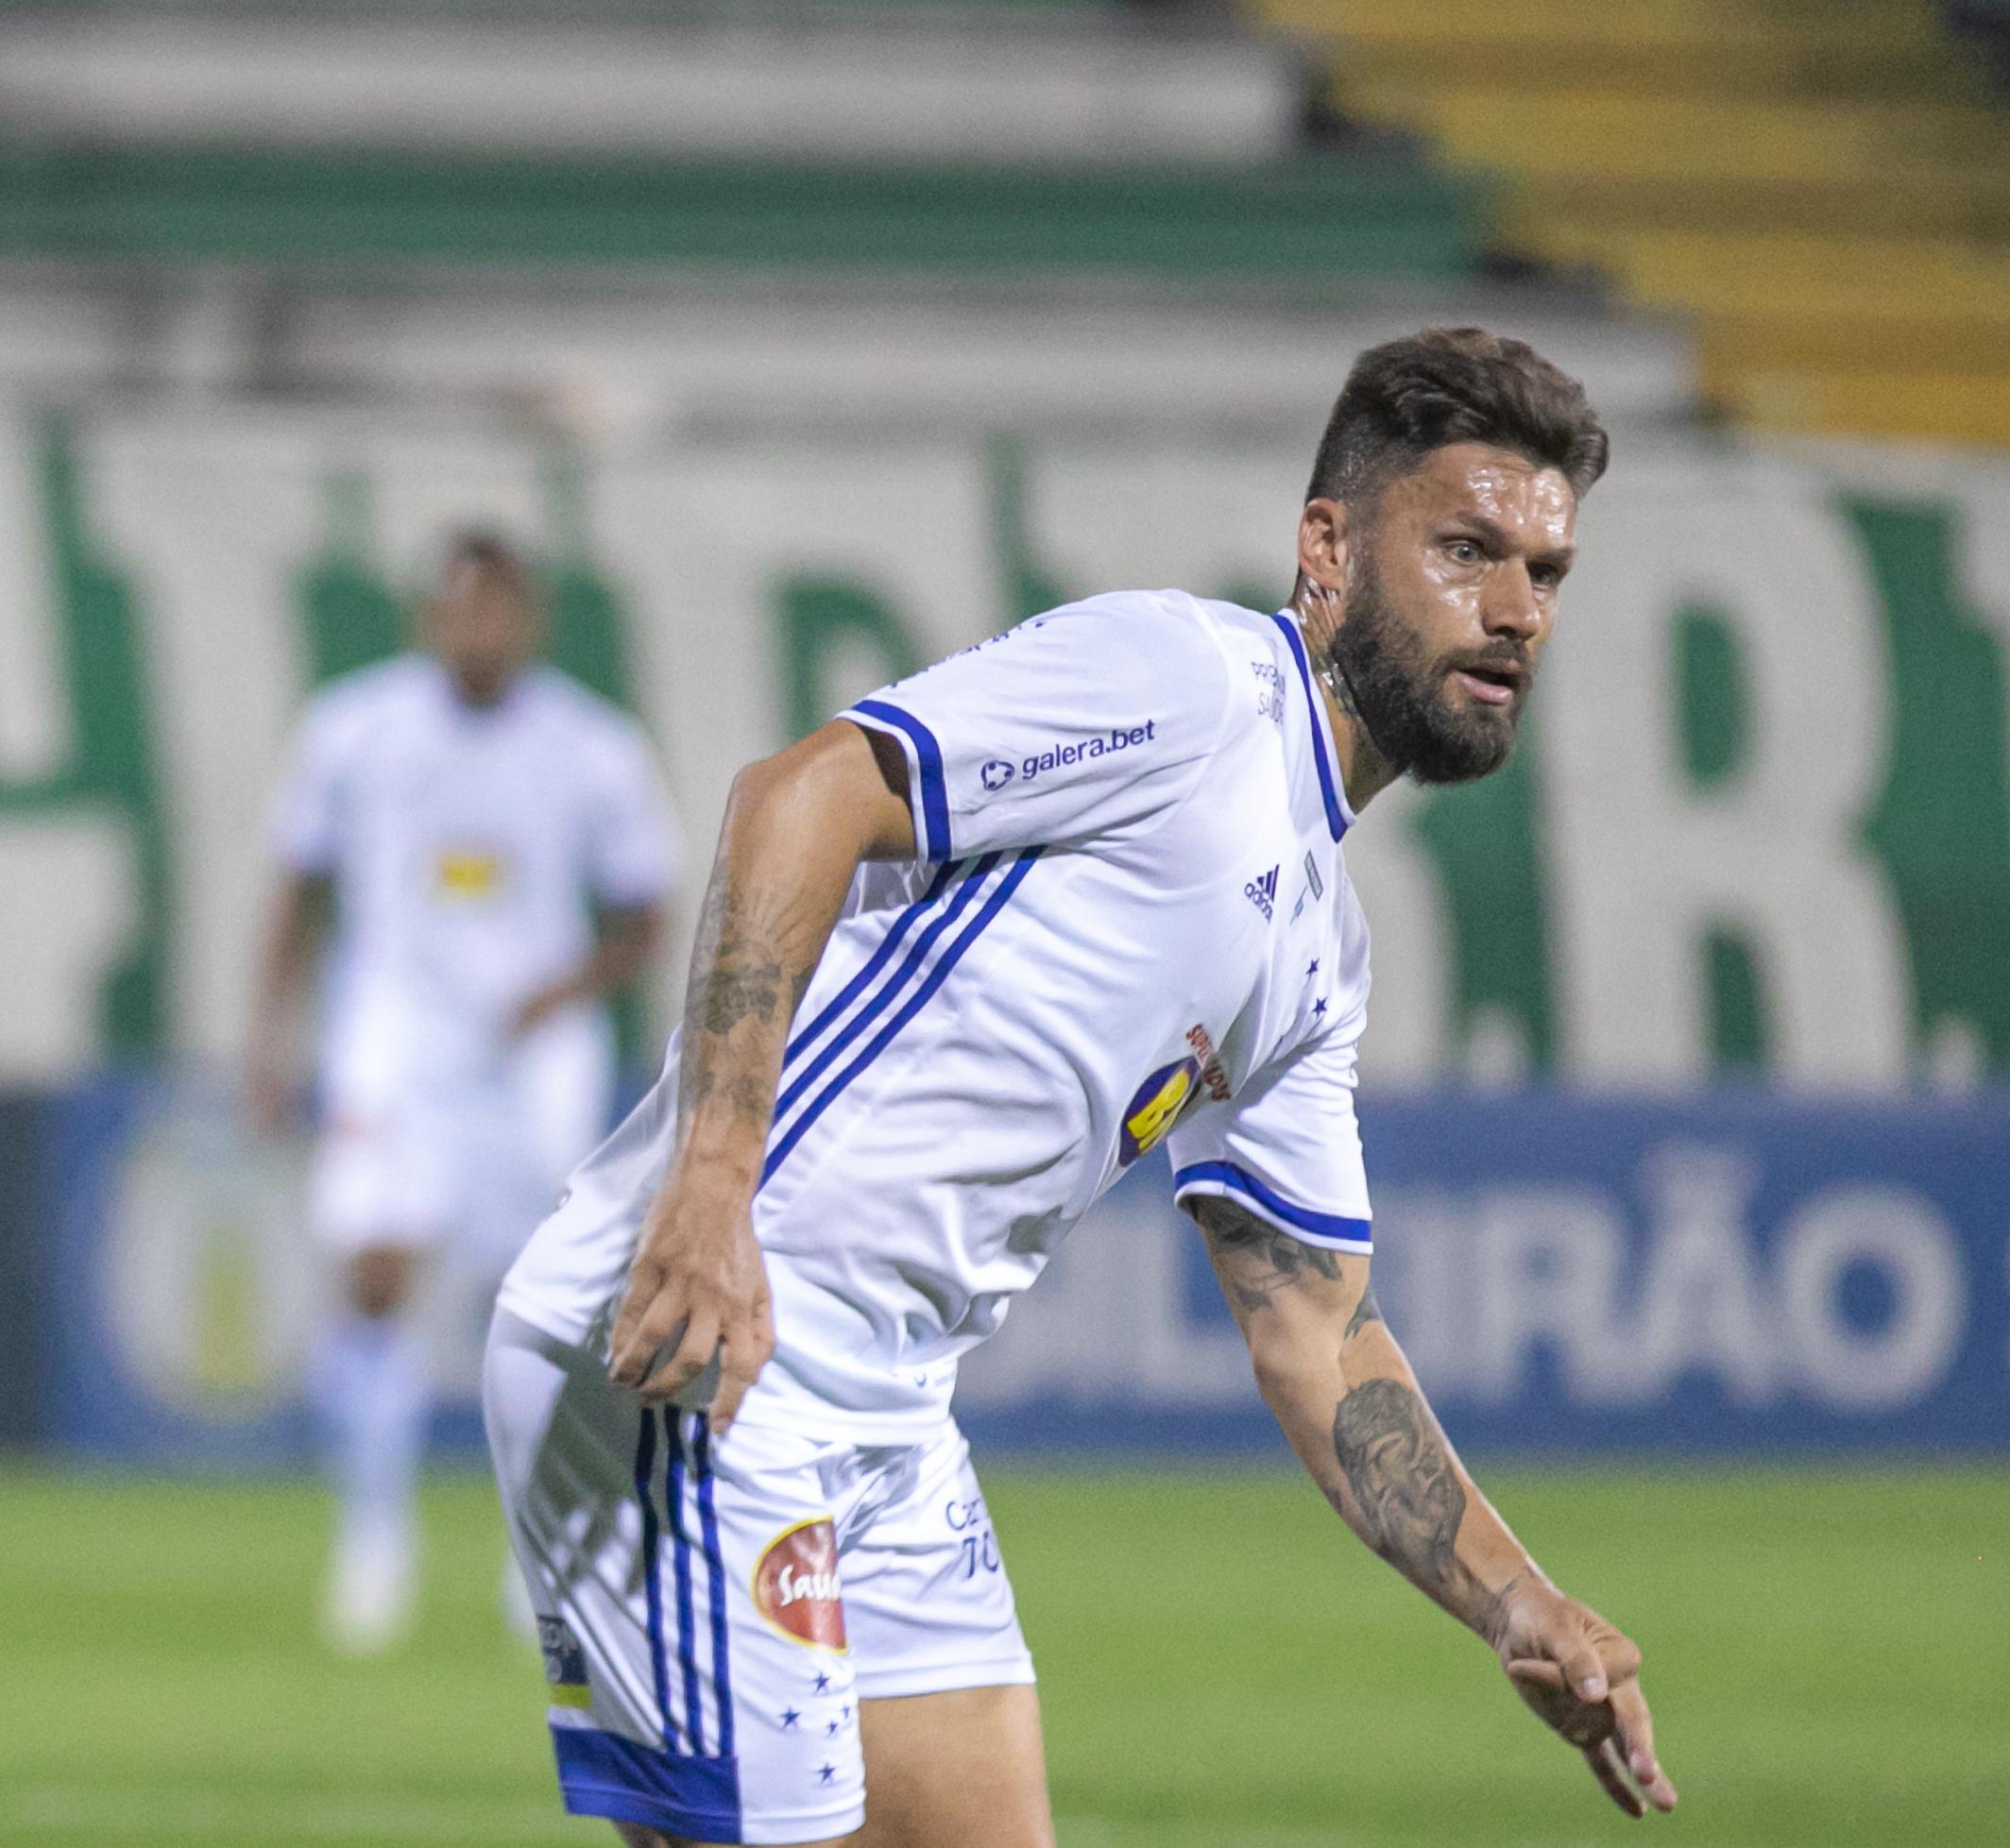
(373, 1400)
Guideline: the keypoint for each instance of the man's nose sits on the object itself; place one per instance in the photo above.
(1511, 606)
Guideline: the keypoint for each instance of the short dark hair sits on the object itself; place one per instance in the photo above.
(490, 554)
(1407, 397)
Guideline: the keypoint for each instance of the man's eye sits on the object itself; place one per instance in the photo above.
(1464, 550)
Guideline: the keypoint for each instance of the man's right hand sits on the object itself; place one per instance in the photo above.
(697, 1288)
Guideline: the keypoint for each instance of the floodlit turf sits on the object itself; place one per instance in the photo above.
(1221, 1666)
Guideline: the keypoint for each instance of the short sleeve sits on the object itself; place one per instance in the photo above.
(304, 822)
(1288, 1149)
(1091, 719)
(635, 851)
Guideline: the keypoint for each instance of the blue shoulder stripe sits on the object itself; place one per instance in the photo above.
(1001, 896)
(876, 961)
(888, 989)
(929, 759)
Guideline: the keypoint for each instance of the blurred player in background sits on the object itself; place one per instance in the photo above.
(484, 846)
(970, 951)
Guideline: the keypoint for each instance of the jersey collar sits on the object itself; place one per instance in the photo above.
(1326, 755)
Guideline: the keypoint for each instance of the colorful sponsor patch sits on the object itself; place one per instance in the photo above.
(466, 874)
(1156, 1108)
(564, 1664)
(796, 1588)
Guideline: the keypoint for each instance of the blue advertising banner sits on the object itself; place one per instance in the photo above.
(1735, 1272)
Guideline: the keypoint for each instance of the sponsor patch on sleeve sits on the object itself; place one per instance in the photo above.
(1156, 1108)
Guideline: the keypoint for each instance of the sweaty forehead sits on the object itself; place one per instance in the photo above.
(1528, 499)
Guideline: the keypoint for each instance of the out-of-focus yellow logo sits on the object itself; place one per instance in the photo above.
(466, 874)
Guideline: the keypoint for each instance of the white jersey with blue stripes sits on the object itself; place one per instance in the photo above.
(1131, 925)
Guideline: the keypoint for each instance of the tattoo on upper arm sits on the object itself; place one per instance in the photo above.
(1365, 1311)
(1255, 1259)
(1405, 1486)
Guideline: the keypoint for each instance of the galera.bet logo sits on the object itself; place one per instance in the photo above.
(996, 773)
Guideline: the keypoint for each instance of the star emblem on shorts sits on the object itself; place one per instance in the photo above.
(827, 1774)
(1318, 1006)
(790, 1717)
(823, 1684)
(1312, 969)
(833, 1728)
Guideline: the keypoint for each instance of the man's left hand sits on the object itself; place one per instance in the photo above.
(1581, 1677)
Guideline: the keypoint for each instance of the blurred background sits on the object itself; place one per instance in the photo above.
(804, 341)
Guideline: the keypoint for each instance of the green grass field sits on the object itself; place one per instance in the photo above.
(1828, 1655)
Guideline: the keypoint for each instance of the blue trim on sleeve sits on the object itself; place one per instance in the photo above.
(604, 1774)
(934, 803)
(1336, 815)
(1227, 1177)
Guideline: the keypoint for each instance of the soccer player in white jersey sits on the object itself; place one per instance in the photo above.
(969, 950)
(493, 842)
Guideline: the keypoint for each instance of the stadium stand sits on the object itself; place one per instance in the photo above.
(873, 201)
(1825, 188)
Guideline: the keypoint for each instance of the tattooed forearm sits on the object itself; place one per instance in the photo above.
(1407, 1496)
(1255, 1259)
(752, 963)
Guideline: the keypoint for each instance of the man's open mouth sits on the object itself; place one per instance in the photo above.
(1492, 683)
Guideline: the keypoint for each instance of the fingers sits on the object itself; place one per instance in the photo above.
(659, 1349)
(745, 1351)
(1633, 1735)
(1610, 1773)
(685, 1353)
(652, 1307)
(1620, 1655)
(1575, 1670)
(1577, 1656)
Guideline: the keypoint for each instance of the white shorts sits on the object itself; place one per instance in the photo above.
(474, 1160)
(713, 1613)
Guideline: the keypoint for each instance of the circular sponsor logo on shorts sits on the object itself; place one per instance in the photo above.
(996, 773)
(1156, 1107)
(795, 1586)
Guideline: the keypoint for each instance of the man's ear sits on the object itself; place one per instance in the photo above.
(1323, 562)
(1325, 543)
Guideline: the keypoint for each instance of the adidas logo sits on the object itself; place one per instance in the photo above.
(1262, 892)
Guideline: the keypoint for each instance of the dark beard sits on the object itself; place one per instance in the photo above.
(1403, 699)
